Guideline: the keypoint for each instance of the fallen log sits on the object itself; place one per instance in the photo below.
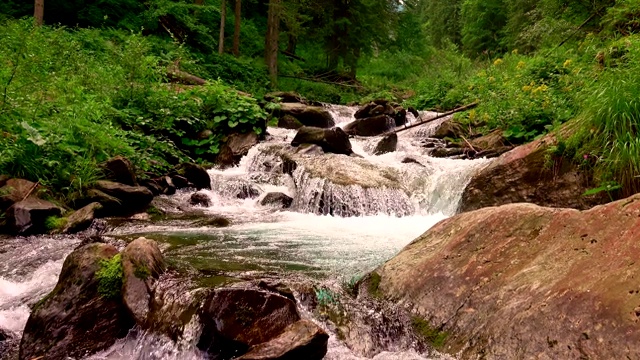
(439, 116)
(176, 75)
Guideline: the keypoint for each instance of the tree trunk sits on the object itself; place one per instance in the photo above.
(271, 45)
(38, 12)
(236, 31)
(223, 19)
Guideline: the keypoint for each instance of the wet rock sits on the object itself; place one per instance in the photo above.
(81, 219)
(119, 169)
(28, 216)
(278, 199)
(330, 140)
(110, 204)
(14, 190)
(248, 191)
(309, 149)
(154, 185)
(371, 126)
(172, 183)
(447, 152)
(131, 198)
(389, 143)
(400, 116)
(414, 112)
(289, 122)
(142, 264)
(235, 147)
(493, 140)
(200, 199)
(237, 318)
(409, 160)
(523, 175)
(522, 281)
(450, 129)
(75, 320)
(300, 340)
(215, 221)
(196, 175)
(284, 97)
(307, 115)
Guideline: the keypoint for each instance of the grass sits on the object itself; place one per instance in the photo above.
(431, 335)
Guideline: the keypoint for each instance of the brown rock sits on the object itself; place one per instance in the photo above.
(289, 122)
(4, 179)
(237, 318)
(315, 116)
(450, 129)
(195, 174)
(131, 197)
(236, 146)
(74, 320)
(119, 169)
(29, 216)
(493, 140)
(81, 219)
(522, 281)
(142, 263)
(389, 143)
(331, 140)
(372, 126)
(524, 174)
(14, 190)
(300, 340)
(201, 199)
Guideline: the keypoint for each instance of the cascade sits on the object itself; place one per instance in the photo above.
(348, 215)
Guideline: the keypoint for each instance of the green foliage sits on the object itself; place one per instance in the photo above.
(435, 337)
(110, 277)
(373, 284)
(55, 224)
(326, 297)
(142, 271)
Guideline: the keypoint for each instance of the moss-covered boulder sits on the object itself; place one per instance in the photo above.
(84, 313)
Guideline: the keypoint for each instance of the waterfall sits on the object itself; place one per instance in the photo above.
(347, 216)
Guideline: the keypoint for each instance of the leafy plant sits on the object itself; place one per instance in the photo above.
(110, 276)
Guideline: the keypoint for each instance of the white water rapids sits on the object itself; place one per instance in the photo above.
(265, 240)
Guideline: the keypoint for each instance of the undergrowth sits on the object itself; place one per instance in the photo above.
(110, 277)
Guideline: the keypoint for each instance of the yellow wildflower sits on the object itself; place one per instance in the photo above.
(515, 52)
(526, 88)
(492, 79)
(497, 62)
(472, 115)
(521, 65)
(567, 63)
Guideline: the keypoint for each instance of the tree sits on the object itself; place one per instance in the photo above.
(271, 40)
(38, 12)
(236, 30)
(223, 19)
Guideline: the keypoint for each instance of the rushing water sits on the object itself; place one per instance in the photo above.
(303, 240)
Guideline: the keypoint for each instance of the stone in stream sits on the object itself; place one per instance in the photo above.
(450, 129)
(371, 126)
(195, 174)
(131, 198)
(237, 318)
(81, 219)
(200, 199)
(119, 169)
(289, 122)
(29, 216)
(389, 143)
(75, 319)
(522, 281)
(300, 340)
(278, 199)
(142, 264)
(314, 116)
(330, 140)
(235, 147)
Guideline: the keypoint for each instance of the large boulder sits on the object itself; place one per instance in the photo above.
(315, 116)
(196, 174)
(300, 340)
(75, 319)
(119, 169)
(142, 264)
(525, 174)
(237, 318)
(289, 122)
(450, 129)
(4, 179)
(134, 196)
(14, 190)
(29, 216)
(522, 281)
(330, 140)
(371, 126)
(81, 219)
(235, 147)
(389, 143)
